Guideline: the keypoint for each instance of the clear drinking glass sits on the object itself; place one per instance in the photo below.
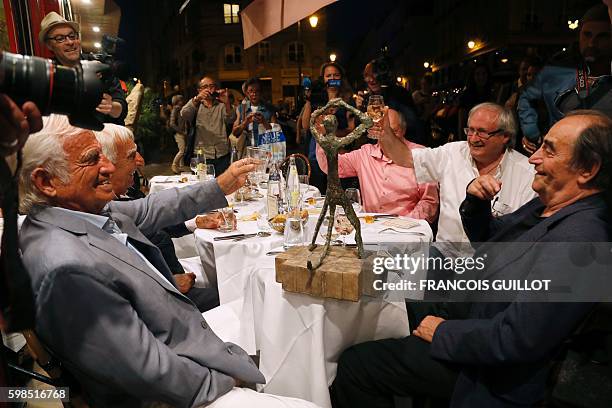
(304, 186)
(260, 171)
(294, 232)
(342, 225)
(210, 171)
(376, 105)
(229, 220)
(193, 164)
(354, 197)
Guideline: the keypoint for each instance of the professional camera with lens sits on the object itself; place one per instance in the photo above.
(317, 91)
(107, 56)
(75, 92)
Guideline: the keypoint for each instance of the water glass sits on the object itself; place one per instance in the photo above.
(228, 223)
(342, 225)
(304, 185)
(294, 232)
(193, 164)
(209, 172)
(354, 197)
(261, 155)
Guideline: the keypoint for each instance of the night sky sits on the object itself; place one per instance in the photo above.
(348, 22)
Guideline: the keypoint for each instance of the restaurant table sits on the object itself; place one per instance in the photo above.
(159, 183)
(299, 338)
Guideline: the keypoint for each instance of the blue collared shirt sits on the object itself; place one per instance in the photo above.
(107, 224)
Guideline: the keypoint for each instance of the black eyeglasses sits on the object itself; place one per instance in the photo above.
(481, 133)
(61, 38)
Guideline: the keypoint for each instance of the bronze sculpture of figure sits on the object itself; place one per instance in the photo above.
(335, 194)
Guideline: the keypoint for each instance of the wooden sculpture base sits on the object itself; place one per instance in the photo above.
(340, 275)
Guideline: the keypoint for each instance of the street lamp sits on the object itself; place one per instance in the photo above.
(332, 57)
(572, 24)
(314, 20)
(426, 64)
(471, 44)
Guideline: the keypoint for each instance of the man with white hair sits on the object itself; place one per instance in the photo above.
(105, 299)
(487, 150)
(118, 146)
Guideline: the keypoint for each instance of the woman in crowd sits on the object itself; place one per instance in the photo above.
(335, 85)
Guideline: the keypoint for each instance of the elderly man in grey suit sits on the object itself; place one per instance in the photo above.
(106, 302)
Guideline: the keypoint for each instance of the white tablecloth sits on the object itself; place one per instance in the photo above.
(299, 337)
(158, 183)
(225, 262)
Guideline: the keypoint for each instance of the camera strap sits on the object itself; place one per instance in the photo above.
(582, 82)
(16, 298)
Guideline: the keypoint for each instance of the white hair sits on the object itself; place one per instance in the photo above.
(505, 120)
(45, 149)
(110, 136)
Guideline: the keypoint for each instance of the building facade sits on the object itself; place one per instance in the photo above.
(205, 38)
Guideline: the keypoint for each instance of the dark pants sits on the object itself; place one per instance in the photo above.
(221, 164)
(371, 374)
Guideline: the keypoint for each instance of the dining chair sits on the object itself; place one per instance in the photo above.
(56, 376)
(301, 161)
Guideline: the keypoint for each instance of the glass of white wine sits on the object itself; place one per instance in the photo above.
(376, 106)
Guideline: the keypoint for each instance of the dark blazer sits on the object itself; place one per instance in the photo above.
(505, 348)
(127, 334)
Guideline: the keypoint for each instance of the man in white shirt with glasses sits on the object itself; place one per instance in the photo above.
(488, 150)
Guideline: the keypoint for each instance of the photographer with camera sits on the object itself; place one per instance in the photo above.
(209, 112)
(331, 84)
(250, 115)
(62, 38)
(16, 301)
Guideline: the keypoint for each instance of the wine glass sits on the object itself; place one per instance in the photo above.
(354, 197)
(376, 105)
(260, 170)
(193, 164)
(342, 225)
(210, 171)
(304, 186)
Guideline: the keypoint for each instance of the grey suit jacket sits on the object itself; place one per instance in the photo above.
(125, 333)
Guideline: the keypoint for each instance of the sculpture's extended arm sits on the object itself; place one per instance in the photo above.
(366, 122)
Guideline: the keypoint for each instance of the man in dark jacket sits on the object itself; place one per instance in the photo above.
(499, 354)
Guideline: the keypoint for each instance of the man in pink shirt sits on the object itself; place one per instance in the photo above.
(385, 186)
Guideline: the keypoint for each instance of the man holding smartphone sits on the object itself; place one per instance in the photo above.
(252, 114)
(210, 111)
